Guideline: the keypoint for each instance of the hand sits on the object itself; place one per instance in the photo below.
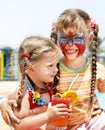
(97, 123)
(59, 110)
(7, 112)
(96, 111)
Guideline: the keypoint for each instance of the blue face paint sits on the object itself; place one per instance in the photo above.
(76, 39)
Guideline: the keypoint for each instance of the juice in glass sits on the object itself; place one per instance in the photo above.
(60, 122)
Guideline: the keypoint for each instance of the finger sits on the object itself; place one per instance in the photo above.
(13, 117)
(96, 112)
(5, 117)
(13, 102)
(62, 116)
(61, 105)
(64, 109)
(12, 128)
(49, 104)
(64, 113)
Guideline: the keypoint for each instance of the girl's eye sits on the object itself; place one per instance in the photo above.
(78, 38)
(50, 65)
(63, 38)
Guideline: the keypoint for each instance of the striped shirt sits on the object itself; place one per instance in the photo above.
(80, 80)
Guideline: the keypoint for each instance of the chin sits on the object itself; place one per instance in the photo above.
(71, 57)
(50, 80)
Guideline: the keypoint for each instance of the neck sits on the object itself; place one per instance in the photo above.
(34, 84)
(45, 87)
(74, 64)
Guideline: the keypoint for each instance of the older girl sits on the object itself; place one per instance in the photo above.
(74, 33)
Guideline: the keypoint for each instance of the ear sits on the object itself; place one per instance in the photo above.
(30, 67)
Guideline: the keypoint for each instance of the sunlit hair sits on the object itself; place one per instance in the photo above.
(95, 30)
(76, 19)
(36, 46)
(71, 18)
(31, 50)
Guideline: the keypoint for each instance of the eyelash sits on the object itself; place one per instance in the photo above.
(50, 65)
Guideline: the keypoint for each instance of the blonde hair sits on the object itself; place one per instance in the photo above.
(35, 47)
(72, 18)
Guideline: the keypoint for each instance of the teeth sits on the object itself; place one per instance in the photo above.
(71, 51)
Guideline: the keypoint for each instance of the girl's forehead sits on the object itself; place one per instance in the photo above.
(72, 31)
(50, 56)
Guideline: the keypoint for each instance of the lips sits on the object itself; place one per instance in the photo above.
(52, 76)
(69, 51)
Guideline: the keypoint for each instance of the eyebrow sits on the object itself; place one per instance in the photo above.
(76, 34)
(79, 34)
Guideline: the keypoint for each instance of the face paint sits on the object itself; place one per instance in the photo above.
(81, 48)
(63, 47)
(75, 39)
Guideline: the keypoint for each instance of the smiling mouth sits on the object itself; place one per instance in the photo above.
(71, 51)
(52, 76)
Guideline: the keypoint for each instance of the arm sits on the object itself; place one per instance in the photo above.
(6, 106)
(100, 78)
(36, 121)
(101, 85)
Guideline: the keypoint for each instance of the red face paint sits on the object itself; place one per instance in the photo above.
(63, 47)
(82, 48)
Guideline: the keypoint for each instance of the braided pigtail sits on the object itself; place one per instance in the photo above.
(95, 30)
(56, 79)
(23, 66)
(53, 37)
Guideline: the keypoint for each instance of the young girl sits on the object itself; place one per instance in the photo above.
(74, 33)
(38, 58)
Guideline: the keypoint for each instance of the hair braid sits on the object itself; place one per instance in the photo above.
(53, 37)
(93, 69)
(23, 66)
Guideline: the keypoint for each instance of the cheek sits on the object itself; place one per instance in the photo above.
(62, 47)
(81, 48)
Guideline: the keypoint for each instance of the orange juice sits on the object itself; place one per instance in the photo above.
(61, 122)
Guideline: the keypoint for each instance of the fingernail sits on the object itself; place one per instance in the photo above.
(15, 104)
(18, 121)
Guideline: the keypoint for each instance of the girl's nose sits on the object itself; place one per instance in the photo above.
(56, 69)
(70, 43)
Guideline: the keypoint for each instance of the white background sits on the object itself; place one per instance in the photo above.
(22, 18)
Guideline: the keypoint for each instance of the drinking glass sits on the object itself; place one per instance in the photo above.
(60, 123)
